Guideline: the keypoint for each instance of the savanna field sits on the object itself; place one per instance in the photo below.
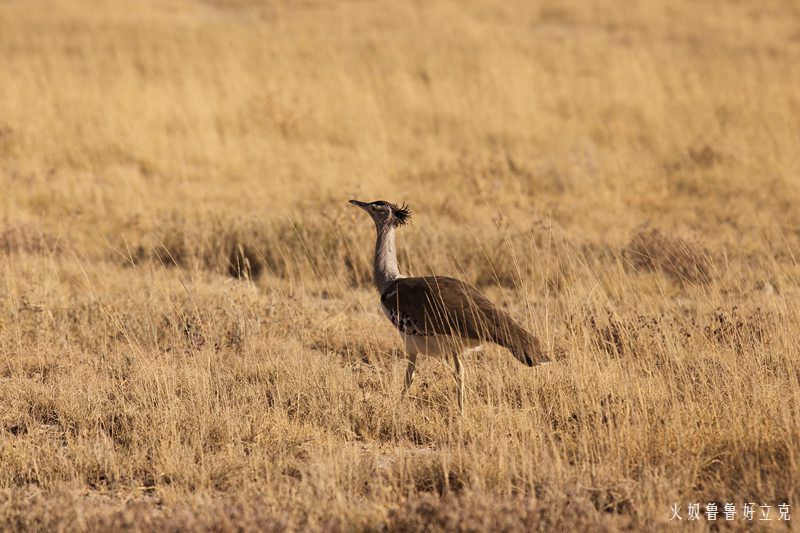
(189, 335)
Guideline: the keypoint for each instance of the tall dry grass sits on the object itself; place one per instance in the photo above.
(189, 338)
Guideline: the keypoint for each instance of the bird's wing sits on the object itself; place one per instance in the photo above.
(445, 306)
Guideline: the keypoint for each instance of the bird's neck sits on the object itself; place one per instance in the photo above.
(386, 270)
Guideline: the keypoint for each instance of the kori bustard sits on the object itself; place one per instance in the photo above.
(437, 315)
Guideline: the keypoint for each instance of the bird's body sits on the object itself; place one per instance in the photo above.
(438, 345)
(438, 315)
(439, 306)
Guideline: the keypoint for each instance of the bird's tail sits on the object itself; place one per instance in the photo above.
(522, 344)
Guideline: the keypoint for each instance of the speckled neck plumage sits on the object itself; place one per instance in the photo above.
(386, 270)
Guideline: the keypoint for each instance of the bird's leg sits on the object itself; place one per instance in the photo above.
(412, 365)
(459, 373)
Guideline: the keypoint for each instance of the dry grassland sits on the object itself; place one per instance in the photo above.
(188, 334)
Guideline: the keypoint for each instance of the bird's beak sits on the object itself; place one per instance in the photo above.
(362, 205)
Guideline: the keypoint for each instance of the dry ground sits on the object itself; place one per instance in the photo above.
(188, 336)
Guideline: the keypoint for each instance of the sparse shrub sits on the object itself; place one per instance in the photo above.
(705, 156)
(513, 260)
(244, 262)
(738, 329)
(683, 261)
(25, 238)
(249, 248)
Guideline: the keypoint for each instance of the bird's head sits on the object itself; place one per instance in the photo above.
(385, 214)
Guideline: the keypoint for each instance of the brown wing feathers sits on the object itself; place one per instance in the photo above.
(446, 306)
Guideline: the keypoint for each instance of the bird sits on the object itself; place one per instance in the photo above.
(439, 315)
